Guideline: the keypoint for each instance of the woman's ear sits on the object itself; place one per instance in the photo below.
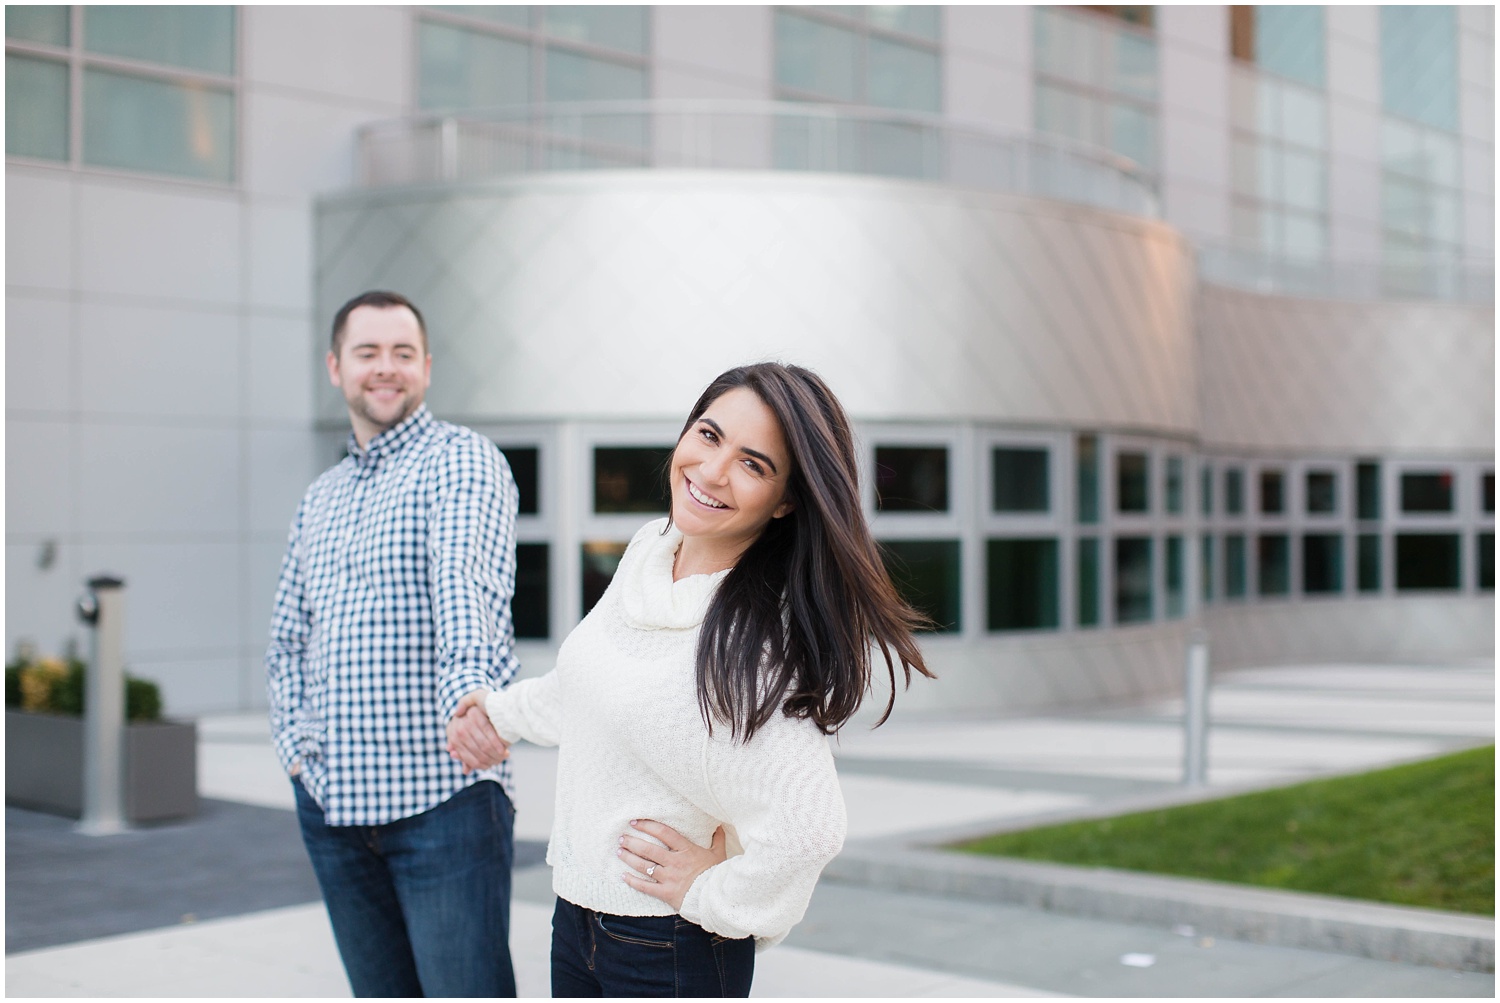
(785, 508)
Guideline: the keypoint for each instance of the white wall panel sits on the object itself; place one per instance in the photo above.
(712, 51)
(38, 228)
(160, 480)
(361, 53)
(281, 374)
(181, 599)
(174, 243)
(38, 354)
(589, 296)
(987, 66)
(38, 482)
(1280, 373)
(149, 361)
(281, 464)
(194, 684)
(279, 253)
(297, 146)
(39, 601)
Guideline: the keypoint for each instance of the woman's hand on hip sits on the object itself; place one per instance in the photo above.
(667, 872)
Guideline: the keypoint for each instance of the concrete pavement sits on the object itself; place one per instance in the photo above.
(912, 778)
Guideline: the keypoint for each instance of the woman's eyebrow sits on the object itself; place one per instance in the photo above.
(744, 449)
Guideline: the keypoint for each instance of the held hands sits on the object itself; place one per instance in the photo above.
(472, 739)
(667, 872)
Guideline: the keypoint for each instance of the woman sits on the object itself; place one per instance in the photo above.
(696, 795)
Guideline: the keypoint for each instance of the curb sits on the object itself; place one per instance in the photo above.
(1284, 919)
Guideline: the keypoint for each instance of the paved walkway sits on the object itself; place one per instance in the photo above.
(223, 905)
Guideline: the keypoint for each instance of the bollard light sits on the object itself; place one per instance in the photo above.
(1195, 711)
(103, 608)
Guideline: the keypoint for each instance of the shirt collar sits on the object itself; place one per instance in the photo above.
(395, 438)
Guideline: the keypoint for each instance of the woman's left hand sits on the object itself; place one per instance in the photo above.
(667, 872)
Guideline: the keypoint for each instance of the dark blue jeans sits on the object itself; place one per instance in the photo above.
(596, 954)
(420, 906)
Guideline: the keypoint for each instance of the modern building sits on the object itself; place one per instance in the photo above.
(1150, 318)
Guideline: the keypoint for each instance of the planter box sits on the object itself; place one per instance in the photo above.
(44, 766)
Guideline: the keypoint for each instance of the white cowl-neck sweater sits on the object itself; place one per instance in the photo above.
(622, 707)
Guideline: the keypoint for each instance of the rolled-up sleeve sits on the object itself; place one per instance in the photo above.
(780, 792)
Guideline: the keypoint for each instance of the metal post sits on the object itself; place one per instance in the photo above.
(1195, 711)
(104, 709)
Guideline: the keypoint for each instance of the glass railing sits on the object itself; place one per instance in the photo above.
(1451, 279)
(731, 135)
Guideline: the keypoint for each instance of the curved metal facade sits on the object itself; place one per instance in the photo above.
(611, 294)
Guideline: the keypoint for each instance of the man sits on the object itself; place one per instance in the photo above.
(393, 606)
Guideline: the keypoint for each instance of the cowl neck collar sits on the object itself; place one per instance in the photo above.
(651, 600)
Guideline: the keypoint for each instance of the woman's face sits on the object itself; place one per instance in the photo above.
(730, 473)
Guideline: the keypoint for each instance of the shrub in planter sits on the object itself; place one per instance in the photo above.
(44, 701)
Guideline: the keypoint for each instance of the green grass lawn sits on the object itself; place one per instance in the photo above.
(1421, 835)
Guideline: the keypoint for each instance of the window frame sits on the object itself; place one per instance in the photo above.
(78, 60)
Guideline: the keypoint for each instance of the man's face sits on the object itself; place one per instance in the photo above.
(382, 367)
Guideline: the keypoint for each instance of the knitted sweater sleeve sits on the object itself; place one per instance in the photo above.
(781, 795)
(530, 709)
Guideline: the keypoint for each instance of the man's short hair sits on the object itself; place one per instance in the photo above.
(376, 298)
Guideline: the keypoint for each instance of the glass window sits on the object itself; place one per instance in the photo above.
(1427, 561)
(1206, 566)
(902, 76)
(468, 69)
(1022, 578)
(1088, 581)
(1419, 64)
(1234, 491)
(1206, 489)
(574, 77)
(47, 24)
(1088, 479)
(1176, 578)
(601, 558)
(1368, 561)
(1133, 482)
(1367, 485)
(531, 606)
(36, 106)
(1133, 579)
(816, 57)
(1021, 480)
(1096, 81)
(1427, 492)
(911, 478)
(1322, 563)
(146, 124)
(192, 37)
(926, 573)
(1272, 501)
(1273, 564)
(1235, 577)
(1487, 492)
(613, 26)
(1485, 563)
(1322, 492)
(515, 15)
(523, 467)
(1174, 485)
(631, 478)
(1287, 41)
(906, 19)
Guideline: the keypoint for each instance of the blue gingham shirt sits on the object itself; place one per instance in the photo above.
(394, 602)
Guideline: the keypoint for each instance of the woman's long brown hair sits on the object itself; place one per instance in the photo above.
(792, 624)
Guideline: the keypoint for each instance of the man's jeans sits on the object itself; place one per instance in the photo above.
(420, 906)
(596, 954)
